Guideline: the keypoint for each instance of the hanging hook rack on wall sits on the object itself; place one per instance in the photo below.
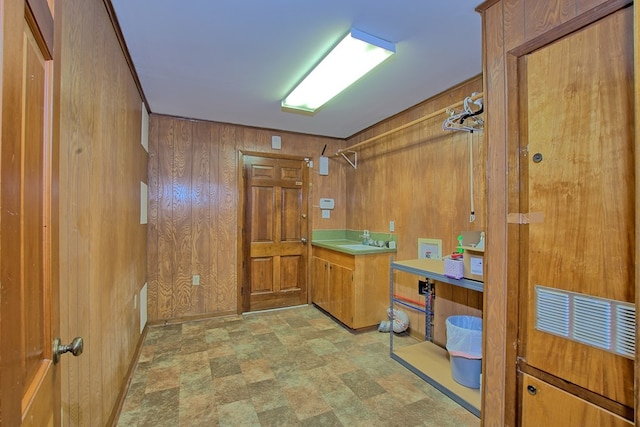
(456, 120)
(350, 149)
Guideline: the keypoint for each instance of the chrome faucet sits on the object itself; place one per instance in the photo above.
(366, 238)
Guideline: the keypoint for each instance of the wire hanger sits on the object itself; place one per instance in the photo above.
(456, 121)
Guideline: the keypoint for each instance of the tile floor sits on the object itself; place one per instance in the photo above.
(291, 367)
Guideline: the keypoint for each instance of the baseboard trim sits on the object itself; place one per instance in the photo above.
(115, 412)
(184, 319)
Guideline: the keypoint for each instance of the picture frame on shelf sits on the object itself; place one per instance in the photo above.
(429, 248)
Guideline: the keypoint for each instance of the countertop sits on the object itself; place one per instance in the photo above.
(338, 245)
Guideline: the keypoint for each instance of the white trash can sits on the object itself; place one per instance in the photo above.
(464, 343)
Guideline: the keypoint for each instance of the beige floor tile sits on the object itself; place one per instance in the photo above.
(292, 367)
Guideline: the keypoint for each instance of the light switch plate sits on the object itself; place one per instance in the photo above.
(276, 142)
(326, 213)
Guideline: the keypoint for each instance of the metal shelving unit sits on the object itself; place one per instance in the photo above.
(427, 360)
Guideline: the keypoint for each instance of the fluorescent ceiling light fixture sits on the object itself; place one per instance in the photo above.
(356, 55)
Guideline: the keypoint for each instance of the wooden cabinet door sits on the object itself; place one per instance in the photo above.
(320, 282)
(578, 190)
(341, 293)
(546, 405)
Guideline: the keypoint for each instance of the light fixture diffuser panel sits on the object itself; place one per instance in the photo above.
(355, 55)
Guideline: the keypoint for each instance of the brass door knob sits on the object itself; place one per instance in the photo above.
(74, 348)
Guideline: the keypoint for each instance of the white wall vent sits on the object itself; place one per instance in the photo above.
(592, 321)
(625, 337)
(552, 311)
(597, 322)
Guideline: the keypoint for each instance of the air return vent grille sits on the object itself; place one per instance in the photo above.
(597, 322)
(625, 339)
(552, 314)
(592, 321)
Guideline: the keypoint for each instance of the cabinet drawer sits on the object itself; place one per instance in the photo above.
(335, 257)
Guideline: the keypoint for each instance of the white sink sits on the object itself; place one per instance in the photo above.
(360, 247)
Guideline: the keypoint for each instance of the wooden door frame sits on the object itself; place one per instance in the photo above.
(504, 258)
(241, 276)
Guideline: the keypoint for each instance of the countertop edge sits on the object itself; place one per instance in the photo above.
(334, 246)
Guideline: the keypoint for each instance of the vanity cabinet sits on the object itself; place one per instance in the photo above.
(351, 288)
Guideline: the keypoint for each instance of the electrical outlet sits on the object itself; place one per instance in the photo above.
(196, 280)
(422, 287)
(392, 226)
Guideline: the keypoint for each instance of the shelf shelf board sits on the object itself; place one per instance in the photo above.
(472, 249)
(434, 269)
(431, 363)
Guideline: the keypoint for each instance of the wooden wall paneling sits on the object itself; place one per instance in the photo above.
(80, 285)
(102, 244)
(515, 235)
(97, 193)
(166, 238)
(153, 211)
(183, 159)
(513, 17)
(222, 143)
(416, 164)
(420, 176)
(202, 221)
(227, 218)
(498, 401)
(383, 172)
(453, 301)
(636, 91)
(332, 185)
(214, 197)
(542, 15)
(583, 6)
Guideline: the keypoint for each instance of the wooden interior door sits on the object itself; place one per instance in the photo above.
(30, 388)
(578, 186)
(275, 232)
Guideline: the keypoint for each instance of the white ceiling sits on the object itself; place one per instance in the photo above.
(234, 61)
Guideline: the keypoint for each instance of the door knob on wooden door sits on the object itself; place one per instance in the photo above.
(74, 348)
(303, 240)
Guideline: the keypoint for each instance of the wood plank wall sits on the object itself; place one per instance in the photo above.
(636, 90)
(509, 25)
(102, 244)
(419, 178)
(193, 209)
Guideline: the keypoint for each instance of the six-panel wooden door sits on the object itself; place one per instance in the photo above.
(275, 232)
